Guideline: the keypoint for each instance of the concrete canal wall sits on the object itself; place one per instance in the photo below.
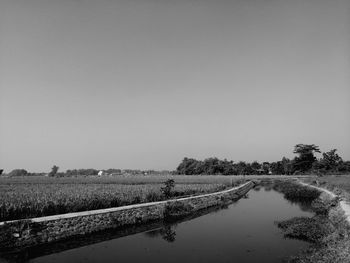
(51, 228)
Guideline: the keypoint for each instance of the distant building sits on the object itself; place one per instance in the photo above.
(100, 173)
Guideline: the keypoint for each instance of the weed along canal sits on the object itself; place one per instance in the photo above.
(243, 231)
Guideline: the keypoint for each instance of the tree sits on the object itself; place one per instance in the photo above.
(168, 187)
(213, 166)
(54, 170)
(331, 159)
(266, 167)
(187, 166)
(287, 165)
(277, 168)
(255, 166)
(303, 162)
(82, 172)
(18, 172)
(331, 162)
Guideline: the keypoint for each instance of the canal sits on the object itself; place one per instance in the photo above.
(244, 231)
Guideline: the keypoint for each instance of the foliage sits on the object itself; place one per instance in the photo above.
(214, 166)
(330, 163)
(303, 162)
(168, 188)
(81, 172)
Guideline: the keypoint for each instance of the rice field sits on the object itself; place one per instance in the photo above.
(22, 198)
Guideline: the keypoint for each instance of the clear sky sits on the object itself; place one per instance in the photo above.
(143, 83)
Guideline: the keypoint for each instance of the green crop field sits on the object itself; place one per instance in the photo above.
(35, 196)
(28, 197)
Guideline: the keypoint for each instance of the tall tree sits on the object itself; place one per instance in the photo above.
(54, 170)
(331, 159)
(303, 162)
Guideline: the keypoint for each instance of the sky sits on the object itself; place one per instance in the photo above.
(141, 84)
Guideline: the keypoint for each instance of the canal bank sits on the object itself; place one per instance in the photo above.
(35, 231)
(328, 231)
(344, 206)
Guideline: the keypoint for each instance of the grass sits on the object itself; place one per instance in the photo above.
(339, 184)
(139, 179)
(341, 181)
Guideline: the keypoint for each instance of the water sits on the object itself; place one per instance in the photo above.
(243, 232)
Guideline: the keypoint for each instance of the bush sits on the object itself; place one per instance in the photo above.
(167, 189)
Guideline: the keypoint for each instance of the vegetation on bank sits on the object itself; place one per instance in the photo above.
(327, 230)
(339, 184)
(295, 192)
(25, 200)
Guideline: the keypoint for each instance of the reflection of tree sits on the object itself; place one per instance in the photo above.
(153, 233)
(167, 232)
(257, 188)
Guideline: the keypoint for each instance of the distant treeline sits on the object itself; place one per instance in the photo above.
(85, 172)
(305, 162)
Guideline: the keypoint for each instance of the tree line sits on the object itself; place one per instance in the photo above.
(85, 172)
(305, 162)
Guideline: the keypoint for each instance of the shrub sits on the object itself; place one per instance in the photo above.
(167, 189)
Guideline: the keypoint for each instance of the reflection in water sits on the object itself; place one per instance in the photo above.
(167, 232)
(241, 232)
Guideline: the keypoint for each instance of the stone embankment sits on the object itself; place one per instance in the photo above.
(47, 229)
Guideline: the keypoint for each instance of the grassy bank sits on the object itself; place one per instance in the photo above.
(339, 184)
(327, 230)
